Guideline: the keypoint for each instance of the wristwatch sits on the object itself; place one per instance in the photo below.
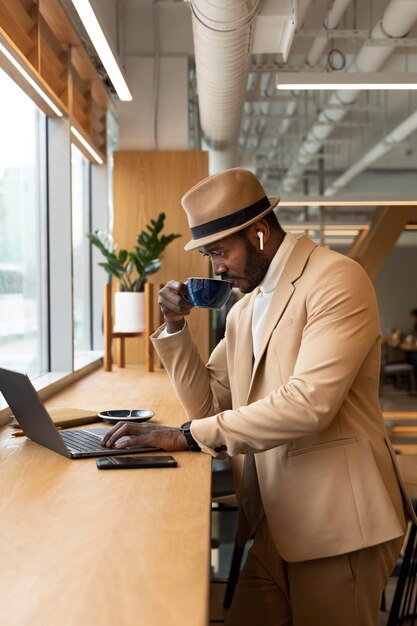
(192, 444)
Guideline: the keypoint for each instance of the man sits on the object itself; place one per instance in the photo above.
(291, 395)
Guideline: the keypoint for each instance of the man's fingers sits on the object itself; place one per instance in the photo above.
(132, 441)
(156, 435)
(120, 430)
(172, 294)
(110, 432)
(173, 299)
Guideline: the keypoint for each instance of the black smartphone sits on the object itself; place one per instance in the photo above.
(127, 462)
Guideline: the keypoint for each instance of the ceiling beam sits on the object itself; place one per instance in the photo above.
(373, 249)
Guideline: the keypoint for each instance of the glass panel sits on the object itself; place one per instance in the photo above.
(23, 305)
(81, 225)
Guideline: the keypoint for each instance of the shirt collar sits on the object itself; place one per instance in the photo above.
(277, 264)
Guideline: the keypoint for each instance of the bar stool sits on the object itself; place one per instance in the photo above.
(224, 499)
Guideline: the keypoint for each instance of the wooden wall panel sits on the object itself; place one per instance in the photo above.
(146, 183)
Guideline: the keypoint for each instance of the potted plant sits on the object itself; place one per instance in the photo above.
(132, 270)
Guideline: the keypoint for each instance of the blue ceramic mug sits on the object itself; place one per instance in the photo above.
(209, 293)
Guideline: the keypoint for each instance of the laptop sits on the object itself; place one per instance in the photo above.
(38, 426)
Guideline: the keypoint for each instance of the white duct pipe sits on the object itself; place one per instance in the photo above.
(291, 108)
(302, 8)
(222, 42)
(401, 132)
(254, 84)
(331, 20)
(398, 19)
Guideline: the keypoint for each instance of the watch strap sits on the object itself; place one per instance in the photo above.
(192, 444)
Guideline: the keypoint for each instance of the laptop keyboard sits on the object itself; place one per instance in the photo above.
(81, 441)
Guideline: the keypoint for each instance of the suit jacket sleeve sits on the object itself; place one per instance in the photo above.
(203, 389)
(342, 326)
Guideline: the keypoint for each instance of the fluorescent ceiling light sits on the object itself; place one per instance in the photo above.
(327, 233)
(316, 201)
(102, 47)
(30, 80)
(300, 81)
(335, 229)
(341, 241)
(86, 145)
(332, 232)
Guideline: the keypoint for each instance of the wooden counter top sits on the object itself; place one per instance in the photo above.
(82, 547)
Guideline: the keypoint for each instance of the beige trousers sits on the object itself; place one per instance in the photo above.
(343, 590)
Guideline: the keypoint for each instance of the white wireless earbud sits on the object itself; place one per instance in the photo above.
(261, 239)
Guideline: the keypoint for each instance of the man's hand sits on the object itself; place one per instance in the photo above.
(173, 305)
(154, 435)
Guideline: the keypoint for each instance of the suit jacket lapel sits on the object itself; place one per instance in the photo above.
(283, 292)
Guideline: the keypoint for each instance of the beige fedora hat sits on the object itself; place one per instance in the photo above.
(224, 203)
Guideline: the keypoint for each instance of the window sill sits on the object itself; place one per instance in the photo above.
(49, 384)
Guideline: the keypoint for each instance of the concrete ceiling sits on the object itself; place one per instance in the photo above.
(166, 25)
(147, 28)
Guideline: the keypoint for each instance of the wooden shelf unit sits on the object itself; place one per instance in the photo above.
(42, 37)
(80, 101)
(99, 126)
(19, 20)
(53, 61)
(93, 99)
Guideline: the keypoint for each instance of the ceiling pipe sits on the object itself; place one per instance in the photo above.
(253, 85)
(222, 43)
(332, 19)
(397, 20)
(302, 8)
(401, 132)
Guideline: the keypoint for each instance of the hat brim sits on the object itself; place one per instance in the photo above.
(203, 241)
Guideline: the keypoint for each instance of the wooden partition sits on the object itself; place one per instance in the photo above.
(146, 183)
(372, 248)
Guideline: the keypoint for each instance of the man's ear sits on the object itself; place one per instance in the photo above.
(260, 231)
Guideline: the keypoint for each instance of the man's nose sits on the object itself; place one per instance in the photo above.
(219, 267)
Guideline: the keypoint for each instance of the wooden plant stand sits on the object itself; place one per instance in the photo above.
(109, 333)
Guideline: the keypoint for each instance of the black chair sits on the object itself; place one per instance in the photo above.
(397, 370)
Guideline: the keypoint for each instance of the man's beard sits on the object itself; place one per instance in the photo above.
(256, 266)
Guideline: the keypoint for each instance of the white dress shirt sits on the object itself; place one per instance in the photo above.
(267, 288)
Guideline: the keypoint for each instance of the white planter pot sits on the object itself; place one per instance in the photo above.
(129, 312)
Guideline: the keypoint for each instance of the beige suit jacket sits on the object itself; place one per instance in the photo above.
(326, 476)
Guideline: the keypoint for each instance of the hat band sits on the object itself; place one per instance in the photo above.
(230, 221)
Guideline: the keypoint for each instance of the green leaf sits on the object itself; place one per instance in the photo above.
(110, 270)
(133, 268)
(123, 256)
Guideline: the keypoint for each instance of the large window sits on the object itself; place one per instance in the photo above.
(81, 225)
(23, 303)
